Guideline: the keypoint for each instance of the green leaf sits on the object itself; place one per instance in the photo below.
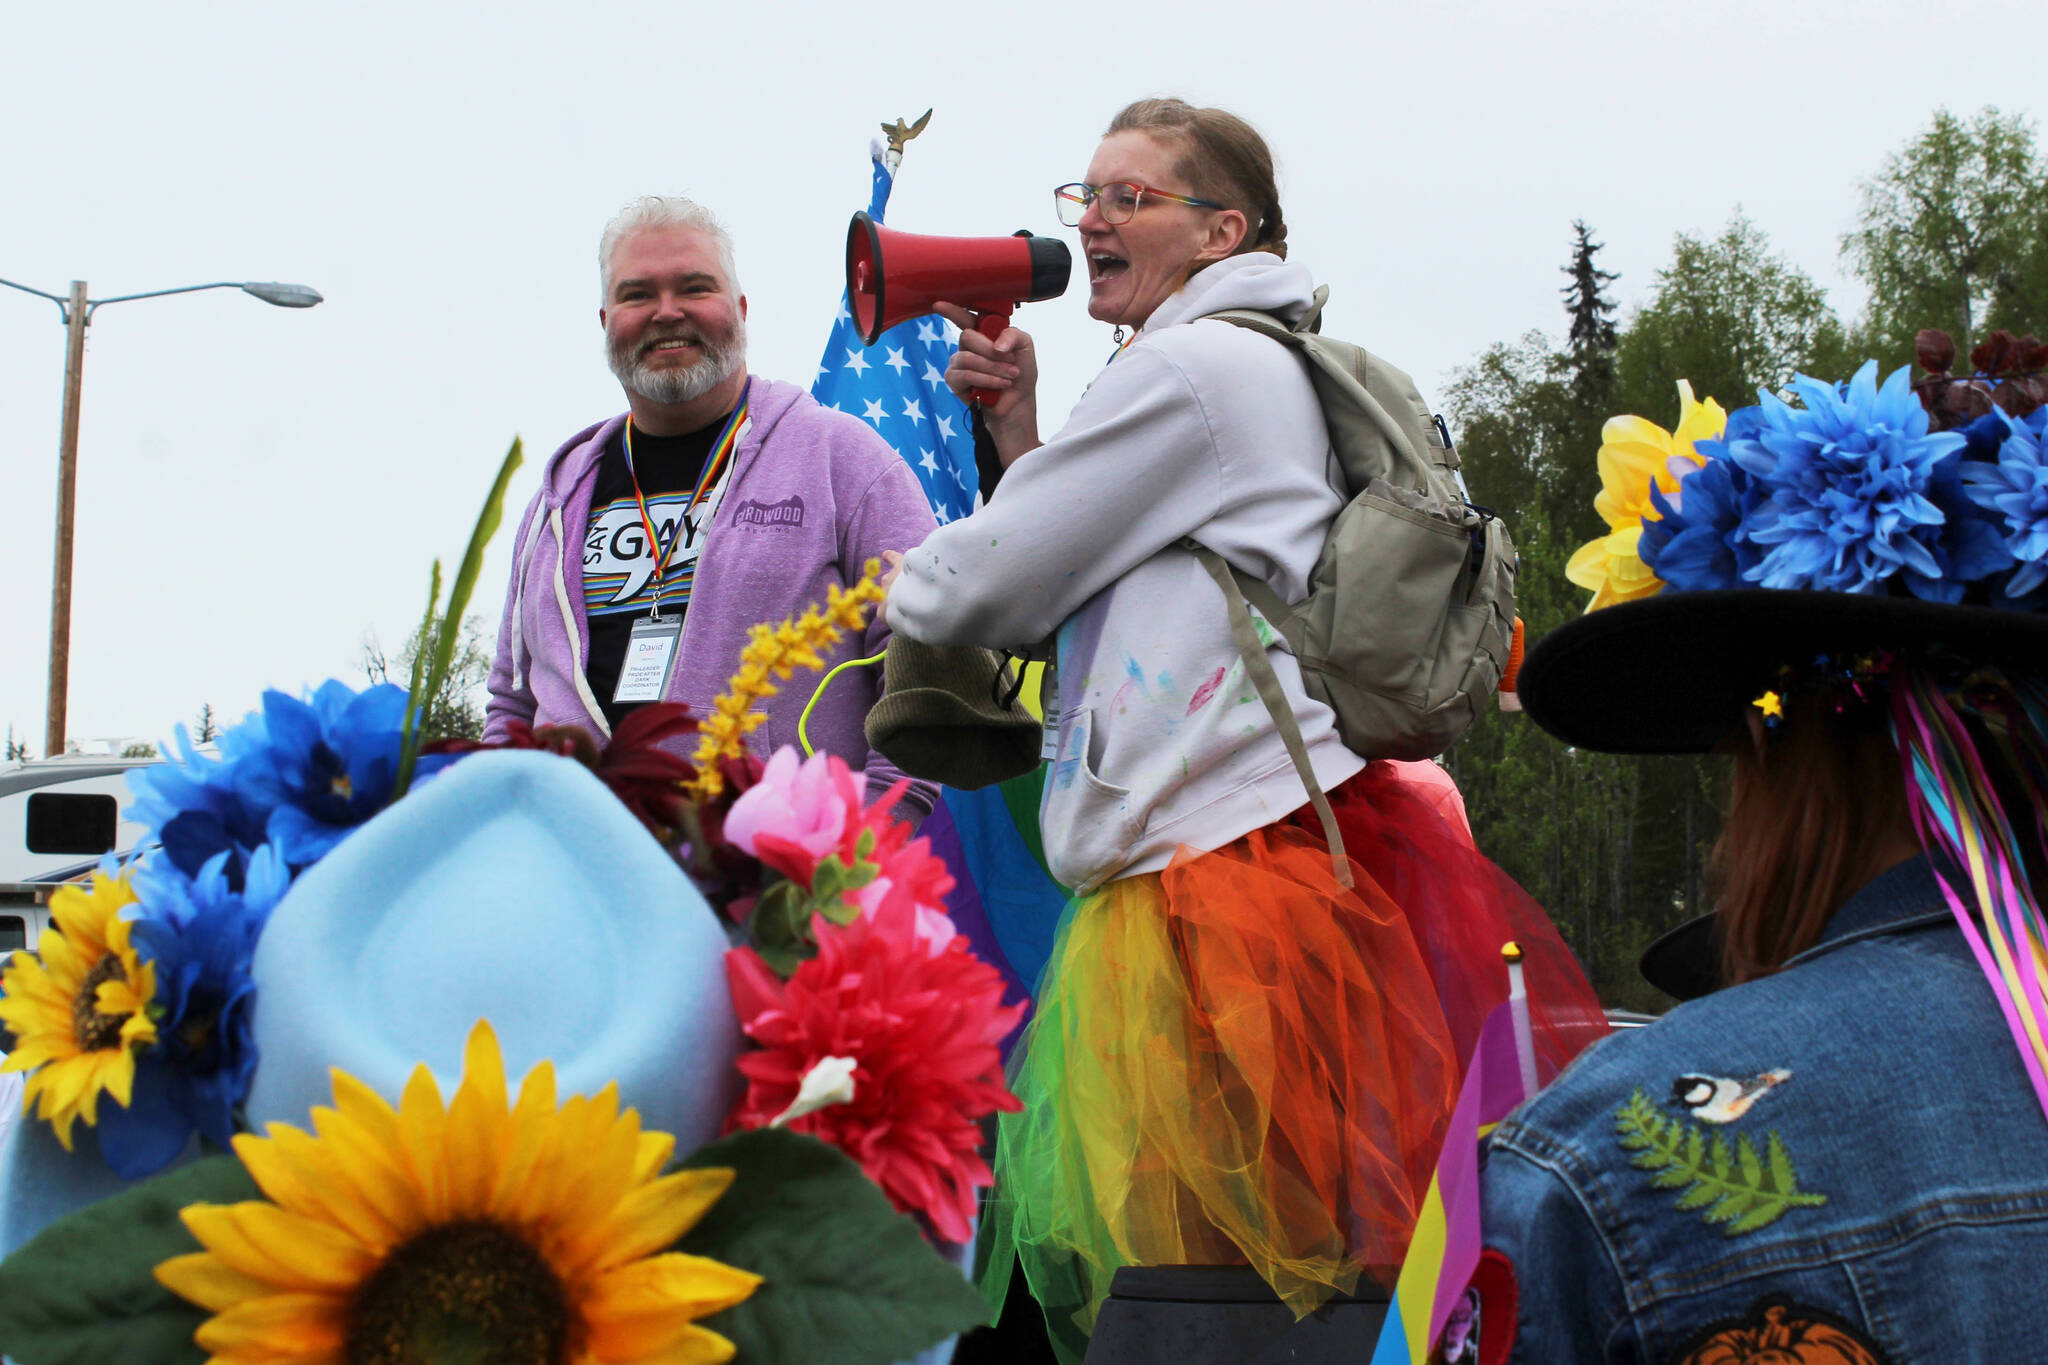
(415, 698)
(1729, 1206)
(1752, 1169)
(1766, 1211)
(1783, 1181)
(847, 1279)
(83, 1290)
(487, 522)
(1727, 1184)
(779, 928)
(1699, 1195)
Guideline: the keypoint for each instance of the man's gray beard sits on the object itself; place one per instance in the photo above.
(722, 359)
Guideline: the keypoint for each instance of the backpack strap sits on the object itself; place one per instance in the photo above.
(1259, 669)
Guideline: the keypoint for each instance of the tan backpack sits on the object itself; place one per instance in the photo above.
(1411, 608)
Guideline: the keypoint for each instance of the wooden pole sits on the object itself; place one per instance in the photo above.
(67, 499)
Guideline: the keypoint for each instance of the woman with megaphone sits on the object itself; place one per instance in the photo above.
(1246, 1050)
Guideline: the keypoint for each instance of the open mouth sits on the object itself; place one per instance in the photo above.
(670, 344)
(1103, 266)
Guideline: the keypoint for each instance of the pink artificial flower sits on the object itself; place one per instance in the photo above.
(908, 873)
(911, 874)
(925, 1030)
(804, 811)
(798, 812)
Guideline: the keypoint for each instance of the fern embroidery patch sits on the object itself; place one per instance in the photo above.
(1727, 1182)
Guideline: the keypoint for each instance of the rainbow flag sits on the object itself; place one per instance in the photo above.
(1445, 1251)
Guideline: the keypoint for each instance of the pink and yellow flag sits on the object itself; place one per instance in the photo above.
(1445, 1250)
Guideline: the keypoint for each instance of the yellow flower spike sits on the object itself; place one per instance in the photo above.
(1636, 456)
(82, 1013)
(543, 1252)
(775, 651)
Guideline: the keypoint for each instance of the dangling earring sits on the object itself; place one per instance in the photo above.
(1118, 335)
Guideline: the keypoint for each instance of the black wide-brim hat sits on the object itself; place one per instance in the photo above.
(1676, 673)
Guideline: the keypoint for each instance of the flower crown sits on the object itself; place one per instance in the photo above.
(1851, 491)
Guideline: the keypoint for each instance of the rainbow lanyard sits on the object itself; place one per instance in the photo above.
(721, 450)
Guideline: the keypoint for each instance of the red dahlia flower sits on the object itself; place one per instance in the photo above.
(924, 1030)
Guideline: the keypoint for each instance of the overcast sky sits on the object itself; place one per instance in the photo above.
(259, 489)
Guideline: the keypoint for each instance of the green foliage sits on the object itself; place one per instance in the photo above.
(779, 926)
(454, 712)
(428, 682)
(83, 1291)
(1732, 316)
(1736, 1189)
(1613, 847)
(847, 1279)
(1592, 337)
(17, 749)
(1953, 234)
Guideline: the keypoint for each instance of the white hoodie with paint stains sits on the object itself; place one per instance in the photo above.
(1198, 428)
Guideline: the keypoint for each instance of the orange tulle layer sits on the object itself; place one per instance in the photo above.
(1241, 1061)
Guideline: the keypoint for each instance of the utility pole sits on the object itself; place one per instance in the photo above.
(75, 318)
(77, 313)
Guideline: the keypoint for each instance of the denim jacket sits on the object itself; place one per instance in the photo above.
(1843, 1161)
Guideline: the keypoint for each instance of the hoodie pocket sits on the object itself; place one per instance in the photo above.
(1089, 824)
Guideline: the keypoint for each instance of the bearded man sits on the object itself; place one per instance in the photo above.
(718, 500)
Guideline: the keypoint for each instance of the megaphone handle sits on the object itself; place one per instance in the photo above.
(990, 325)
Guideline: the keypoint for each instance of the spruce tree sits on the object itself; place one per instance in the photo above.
(1593, 336)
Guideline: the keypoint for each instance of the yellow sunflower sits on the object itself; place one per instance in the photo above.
(80, 1015)
(522, 1235)
(1635, 455)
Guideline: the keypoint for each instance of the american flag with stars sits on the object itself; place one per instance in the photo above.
(898, 387)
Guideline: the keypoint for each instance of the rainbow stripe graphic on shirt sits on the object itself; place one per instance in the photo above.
(618, 563)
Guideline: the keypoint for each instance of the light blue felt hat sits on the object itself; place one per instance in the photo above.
(513, 887)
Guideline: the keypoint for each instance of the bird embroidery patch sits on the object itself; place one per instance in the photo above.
(1729, 1184)
(1777, 1331)
(1724, 1099)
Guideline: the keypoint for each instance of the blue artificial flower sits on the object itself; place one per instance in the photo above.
(191, 805)
(1857, 492)
(2015, 491)
(1700, 543)
(319, 767)
(201, 933)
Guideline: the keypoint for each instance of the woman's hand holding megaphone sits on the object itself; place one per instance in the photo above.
(1006, 366)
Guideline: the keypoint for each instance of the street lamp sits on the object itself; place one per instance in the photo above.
(77, 311)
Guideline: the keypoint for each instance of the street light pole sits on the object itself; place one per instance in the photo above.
(77, 312)
(76, 315)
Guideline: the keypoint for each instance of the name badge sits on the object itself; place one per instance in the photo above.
(650, 659)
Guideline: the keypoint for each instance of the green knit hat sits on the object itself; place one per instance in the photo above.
(949, 713)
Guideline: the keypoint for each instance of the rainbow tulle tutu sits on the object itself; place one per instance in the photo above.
(1239, 1060)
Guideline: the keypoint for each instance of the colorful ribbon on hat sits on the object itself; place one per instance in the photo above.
(1970, 838)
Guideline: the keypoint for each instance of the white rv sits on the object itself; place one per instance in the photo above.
(58, 818)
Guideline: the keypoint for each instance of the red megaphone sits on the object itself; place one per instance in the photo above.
(894, 276)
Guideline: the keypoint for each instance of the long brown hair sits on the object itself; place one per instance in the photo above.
(1816, 809)
(1222, 158)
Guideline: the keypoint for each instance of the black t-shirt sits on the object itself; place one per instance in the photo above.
(617, 561)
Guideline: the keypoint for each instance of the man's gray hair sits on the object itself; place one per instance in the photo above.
(662, 211)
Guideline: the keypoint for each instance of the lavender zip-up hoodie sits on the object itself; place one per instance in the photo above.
(813, 495)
